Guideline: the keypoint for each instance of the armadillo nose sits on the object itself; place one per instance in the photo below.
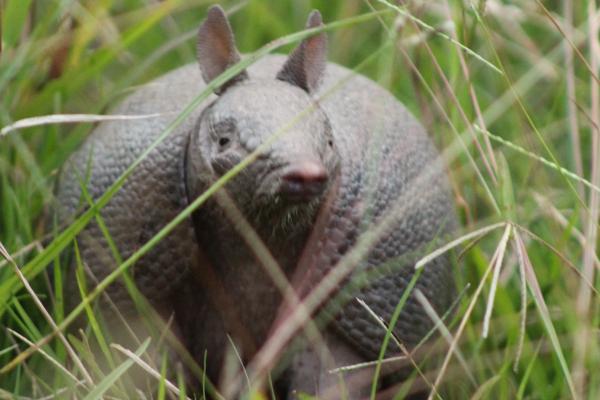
(303, 180)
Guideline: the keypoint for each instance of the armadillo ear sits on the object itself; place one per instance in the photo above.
(216, 48)
(306, 65)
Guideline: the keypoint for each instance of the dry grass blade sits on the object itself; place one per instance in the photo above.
(395, 359)
(529, 80)
(367, 364)
(430, 28)
(36, 244)
(591, 67)
(6, 395)
(554, 250)
(499, 257)
(446, 334)
(456, 242)
(595, 187)
(548, 208)
(240, 365)
(523, 277)
(402, 348)
(491, 165)
(460, 137)
(544, 313)
(46, 355)
(442, 74)
(146, 367)
(571, 94)
(378, 319)
(99, 390)
(35, 381)
(47, 316)
(529, 118)
(584, 296)
(9, 349)
(482, 391)
(463, 324)
(71, 119)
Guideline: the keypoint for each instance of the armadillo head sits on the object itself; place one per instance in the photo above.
(277, 121)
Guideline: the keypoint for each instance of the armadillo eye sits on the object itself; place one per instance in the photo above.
(223, 141)
(330, 143)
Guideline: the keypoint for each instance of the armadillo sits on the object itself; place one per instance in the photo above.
(350, 159)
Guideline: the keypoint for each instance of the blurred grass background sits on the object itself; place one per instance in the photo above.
(540, 97)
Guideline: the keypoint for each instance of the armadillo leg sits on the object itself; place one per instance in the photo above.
(311, 371)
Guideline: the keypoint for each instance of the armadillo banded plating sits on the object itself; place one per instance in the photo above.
(358, 145)
(386, 172)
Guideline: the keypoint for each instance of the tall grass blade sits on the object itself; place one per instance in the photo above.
(109, 380)
(544, 313)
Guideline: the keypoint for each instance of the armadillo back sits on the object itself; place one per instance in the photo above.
(394, 200)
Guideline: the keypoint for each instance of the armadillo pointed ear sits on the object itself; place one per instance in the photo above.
(306, 65)
(216, 48)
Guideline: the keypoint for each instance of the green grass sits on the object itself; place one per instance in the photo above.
(490, 81)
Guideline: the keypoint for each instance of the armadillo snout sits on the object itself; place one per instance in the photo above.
(303, 180)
